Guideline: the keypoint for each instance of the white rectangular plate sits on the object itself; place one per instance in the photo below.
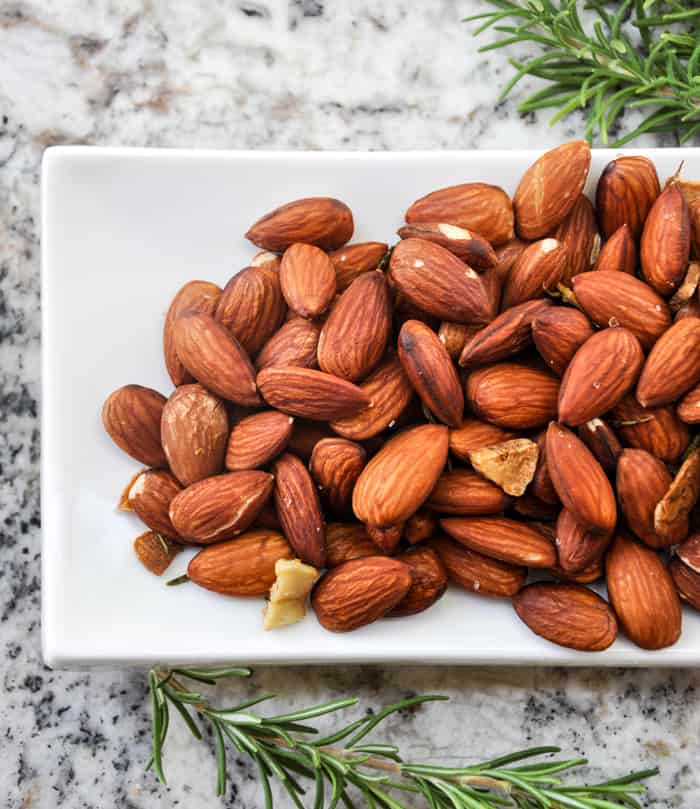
(123, 229)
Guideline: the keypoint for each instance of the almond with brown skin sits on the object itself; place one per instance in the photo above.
(673, 365)
(267, 519)
(588, 576)
(307, 277)
(437, 282)
(578, 233)
(694, 213)
(294, 344)
(542, 486)
(386, 538)
(642, 594)
(155, 552)
(454, 335)
(513, 396)
(359, 592)
(540, 268)
(558, 333)
(150, 495)
(346, 541)
(508, 334)
(567, 614)
(299, 510)
(472, 248)
(398, 480)
(507, 254)
(430, 370)
(510, 465)
(689, 406)
(131, 416)
(484, 208)
(310, 394)
(600, 438)
(577, 548)
(195, 296)
(689, 552)
(428, 581)
(627, 189)
(420, 526)
(194, 432)
(532, 508)
(473, 434)
(550, 188)
(616, 299)
(579, 480)
(476, 572)
(599, 375)
(335, 466)
(687, 291)
(354, 336)
(501, 538)
(353, 260)
(462, 491)
(687, 582)
(322, 221)
(657, 430)
(619, 253)
(665, 245)
(672, 512)
(305, 435)
(244, 566)
(690, 309)
(257, 439)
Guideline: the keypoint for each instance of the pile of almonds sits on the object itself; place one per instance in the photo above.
(510, 390)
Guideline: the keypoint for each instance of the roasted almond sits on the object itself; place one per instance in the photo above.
(501, 538)
(619, 253)
(689, 406)
(542, 486)
(473, 434)
(293, 344)
(346, 541)
(540, 267)
(150, 495)
(689, 552)
(627, 189)
(673, 365)
(472, 248)
(428, 581)
(307, 277)
(131, 416)
(462, 491)
(672, 512)
(305, 435)
(578, 233)
(257, 439)
(510, 465)
(687, 291)
(476, 572)
(657, 430)
(558, 333)
(420, 526)
(687, 582)
(665, 245)
(353, 260)
(335, 466)
(386, 538)
(322, 221)
(454, 335)
(600, 438)
(507, 254)
(155, 552)
(577, 548)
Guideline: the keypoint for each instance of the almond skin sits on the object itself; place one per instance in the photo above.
(507, 254)
(484, 208)
(619, 253)
(577, 548)
(420, 526)
(257, 439)
(299, 510)
(322, 221)
(558, 333)
(430, 370)
(462, 491)
(359, 592)
(578, 234)
(642, 594)
(428, 581)
(665, 245)
(550, 188)
(542, 486)
(398, 480)
(472, 248)
(244, 566)
(600, 438)
(437, 282)
(353, 260)
(501, 538)
(131, 416)
(310, 394)
(513, 396)
(689, 406)
(672, 512)
(657, 430)
(476, 572)
(617, 299)
(307, 277)
(600, 373)
(194, 432)
(386, 538)
(155, 552)
(195, 296)
(580, 481)
(673, 365)
(335, 466)
(473, 434)
(689, 552)
(355, 335)
(150, 495)
(627, 189)
(540, 267)
(294, 344)
(454, 336)
(686, 581)
(567, 614)
(221, 507)
(346, 541)
(215, 358)
(305, 436)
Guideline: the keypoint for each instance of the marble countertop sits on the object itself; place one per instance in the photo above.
(266, 74)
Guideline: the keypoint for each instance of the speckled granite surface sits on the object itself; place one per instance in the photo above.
(266, 74)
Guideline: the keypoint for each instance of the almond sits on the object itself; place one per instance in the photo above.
(558, 333)
(386, 538)
(195, 296)
(578, 234)
(689, 406)
(150, 495)
(464, 492)
(307, 277)
(215, 358)
(267, 518)
(346, 541)
(577, 548)
(474, 434)
(299, 510)
(353, 260)
(359, 592)
(673, 365)
(430, 370)
(690, 309)
(550, 188)
(454, 335)
(687, 582)
(657, 430)
(619, 253)
(532, 508)
(580, 481)
(257, 439)
(542, 486)
(322, 221)
(335, 466)
(689, 552)
(398, 480)
(131, 416)
(665, 245)
(472, 248)
(687, 289)
(305, 436)
(694, 213)
(194, 431)
(294, 344)
(155, 552)
(428, 581)
(513, 396)
(437, 282)
(484, 208)
(510, 465)
(642, 594)
(588, 576)
(567, 614)
(244, 566)
(501, 538)
(508, 334)
(420, 526)
(600, 438)
(507, 254)
(476, 572)
(617, 299)
(627, 189)
(539, 269)
(354, 336)
(673, 509)
(310, 394)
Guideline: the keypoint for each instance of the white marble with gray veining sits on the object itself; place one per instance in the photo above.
(266, 74)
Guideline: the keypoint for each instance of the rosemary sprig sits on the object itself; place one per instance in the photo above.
(631, 54)
(342, 766)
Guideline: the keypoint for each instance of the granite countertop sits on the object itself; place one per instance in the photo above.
(266, 74)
